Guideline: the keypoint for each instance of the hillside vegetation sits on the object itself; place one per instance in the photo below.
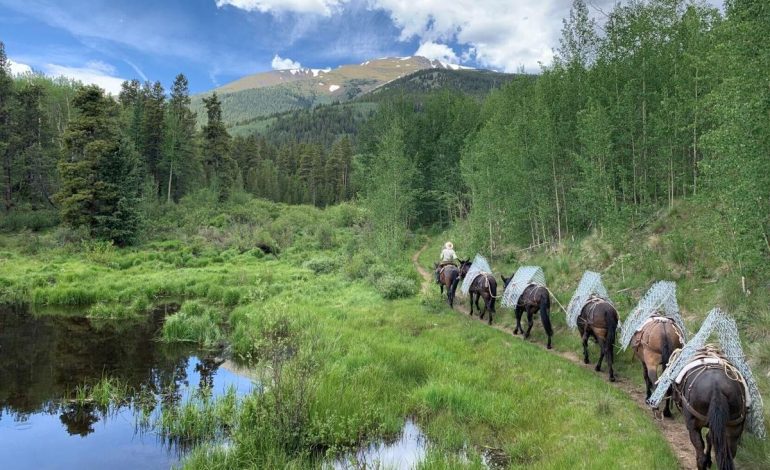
(641, 152)
(359, 363)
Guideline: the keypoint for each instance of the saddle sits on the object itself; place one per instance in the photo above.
(706, 358)
(641, 338)
(588, 307)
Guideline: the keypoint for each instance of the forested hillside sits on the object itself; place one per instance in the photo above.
(641, 152)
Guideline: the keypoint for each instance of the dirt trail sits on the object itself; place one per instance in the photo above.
(674, 431)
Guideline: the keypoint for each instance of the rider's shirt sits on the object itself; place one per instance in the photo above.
(448, 255)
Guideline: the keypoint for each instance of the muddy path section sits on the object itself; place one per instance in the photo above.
(673, 430)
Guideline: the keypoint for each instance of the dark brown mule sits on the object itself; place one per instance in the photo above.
(484, 286)
(713, 396)
(533, 298)
(448, 277)
(599, 320)
(653, 345)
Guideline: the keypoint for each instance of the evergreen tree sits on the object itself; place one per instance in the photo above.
(6, 97)
(220, 167)
(153, 132)
(99, 188)
(180, 159)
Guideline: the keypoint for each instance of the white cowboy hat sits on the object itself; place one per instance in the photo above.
(449, 246)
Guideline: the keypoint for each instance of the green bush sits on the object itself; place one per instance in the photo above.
(322, 265)
(28, 220)
(394, 287)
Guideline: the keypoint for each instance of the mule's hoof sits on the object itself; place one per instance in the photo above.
(667, 414)
(585, 360)
(612, 378)
(549, 347)
(598, 369)
(526, 335)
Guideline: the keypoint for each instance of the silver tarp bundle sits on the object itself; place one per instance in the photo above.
(730, 345)
(479, 266)
(660, 300)
(590, 285)
(524, 276)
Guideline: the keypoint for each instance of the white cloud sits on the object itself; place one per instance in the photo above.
(94, 73)
(497, 33)
(280, 63)
(320, 7)
(442, 52)
(17, 68)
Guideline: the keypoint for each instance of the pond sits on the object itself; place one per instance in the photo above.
(44, 359)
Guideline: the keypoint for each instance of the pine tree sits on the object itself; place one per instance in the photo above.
(220, 167)
(6, 97)
(153, 132)
(180, 159)
(99, 172)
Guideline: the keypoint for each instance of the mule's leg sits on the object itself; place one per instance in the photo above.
(585, 346)
(441, 286)
(707, 452)
(697, 442)
(472, 294)
(519, 311)
(647, 382)
(530, 321)
(598, 367)
(608, 352)
(488, 307)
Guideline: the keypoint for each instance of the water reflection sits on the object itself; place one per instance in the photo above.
(43, 361)
(407, 450)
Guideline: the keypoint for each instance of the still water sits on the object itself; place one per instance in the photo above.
(44, 358)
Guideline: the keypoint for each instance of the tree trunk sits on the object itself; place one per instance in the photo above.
(170, 173)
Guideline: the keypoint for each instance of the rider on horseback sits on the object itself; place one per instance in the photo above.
(448, 256)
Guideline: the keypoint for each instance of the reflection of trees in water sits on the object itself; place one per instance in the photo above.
(44, 358)
(207, 368)
(79, 419)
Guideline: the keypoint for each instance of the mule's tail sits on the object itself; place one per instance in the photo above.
(455, 282)
(545, 308)
(612, 328)
(719, 413)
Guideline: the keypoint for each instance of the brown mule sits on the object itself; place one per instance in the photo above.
(653, 345)
(483, 286)
(534, 298)
(713, 396)
(448, 277)
(599, 320)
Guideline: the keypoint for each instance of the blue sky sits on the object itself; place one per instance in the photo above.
(216, 41)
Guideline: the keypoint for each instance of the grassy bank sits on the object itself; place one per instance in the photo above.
(672, 245)
(347, 350)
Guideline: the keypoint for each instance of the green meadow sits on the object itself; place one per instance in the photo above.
(344, 347)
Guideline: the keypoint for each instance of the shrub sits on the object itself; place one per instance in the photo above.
(321, 265)
(391, 286)
(324, 235)
(28, 220)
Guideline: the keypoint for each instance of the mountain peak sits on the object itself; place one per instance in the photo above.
(366, 75)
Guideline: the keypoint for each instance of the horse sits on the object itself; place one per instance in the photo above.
(598, 319)
(534, 298)
(713, 396)
(483, 286)
(449, 277)
(653, 345)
